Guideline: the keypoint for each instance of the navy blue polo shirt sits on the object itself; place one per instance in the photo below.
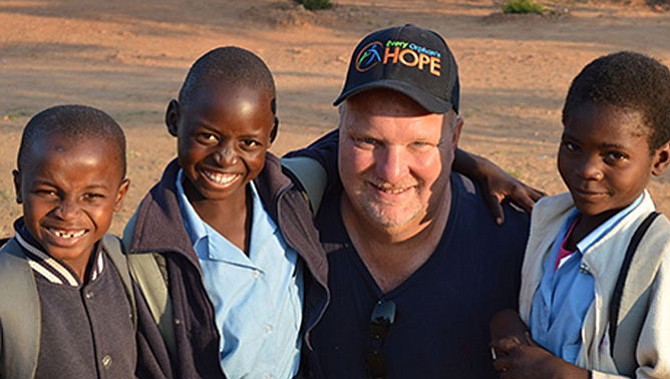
(442, 310)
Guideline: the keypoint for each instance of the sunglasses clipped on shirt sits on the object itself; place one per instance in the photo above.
(383, 316)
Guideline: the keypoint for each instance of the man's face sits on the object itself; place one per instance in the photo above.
(395, 160)
(70, 191)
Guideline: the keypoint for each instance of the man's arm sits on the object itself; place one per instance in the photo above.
(323, 151)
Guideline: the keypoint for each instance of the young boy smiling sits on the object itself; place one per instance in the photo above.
(234, 234)
(616, 130)
(63, 283)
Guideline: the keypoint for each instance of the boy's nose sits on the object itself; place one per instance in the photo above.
(590, 168)
(225, 155)
(67, 209)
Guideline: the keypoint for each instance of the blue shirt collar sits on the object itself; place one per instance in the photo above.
(605, 227)
(209, 244)
(195, 227)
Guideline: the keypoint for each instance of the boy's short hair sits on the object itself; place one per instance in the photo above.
(229, 65)
(630, 81)
(77, 123)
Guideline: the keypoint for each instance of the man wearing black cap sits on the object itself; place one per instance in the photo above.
(416, 264)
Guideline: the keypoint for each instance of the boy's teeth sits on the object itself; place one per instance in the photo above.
(63, 234)
(220, 178)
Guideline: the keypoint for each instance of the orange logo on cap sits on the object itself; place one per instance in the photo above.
(411, 58)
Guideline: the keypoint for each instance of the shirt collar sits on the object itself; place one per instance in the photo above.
(605, 227)
(52, 269)
(194, 225)
(196, 228)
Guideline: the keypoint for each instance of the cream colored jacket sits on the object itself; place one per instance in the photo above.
(642, 346)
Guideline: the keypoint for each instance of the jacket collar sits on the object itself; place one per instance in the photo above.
(159, 225)
(52, 269)
(548, 216)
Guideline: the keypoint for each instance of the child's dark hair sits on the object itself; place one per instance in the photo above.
(233, 66)
(76, 123)
(630, 81)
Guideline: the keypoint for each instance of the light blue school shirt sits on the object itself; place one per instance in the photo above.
(564, 295)
(257, 298)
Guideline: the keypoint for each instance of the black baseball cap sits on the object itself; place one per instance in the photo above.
(413, 61)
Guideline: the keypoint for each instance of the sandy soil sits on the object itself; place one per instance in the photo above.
(129, 58)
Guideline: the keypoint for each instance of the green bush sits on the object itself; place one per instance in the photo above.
(315, 5)
(522, 6)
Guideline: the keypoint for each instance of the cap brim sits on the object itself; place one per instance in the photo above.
(423, 98)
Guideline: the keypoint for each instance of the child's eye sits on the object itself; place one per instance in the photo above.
(207, 138)
(570, 146)
(93, 196)
(615, 156)
(46, 193)
(250, 143)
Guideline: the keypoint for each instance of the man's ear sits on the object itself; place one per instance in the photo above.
(172, 115)
(661, 160)
(120, 194)
(17, 186)
(457, 128)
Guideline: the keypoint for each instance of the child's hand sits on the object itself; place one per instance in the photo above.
(507, 331)
(521, 361)
(497, 185)
(507, 324)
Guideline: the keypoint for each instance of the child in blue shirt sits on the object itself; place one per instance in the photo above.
(231, 231)
(575, 320)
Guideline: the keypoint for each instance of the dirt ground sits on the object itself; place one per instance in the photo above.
(129, 57)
